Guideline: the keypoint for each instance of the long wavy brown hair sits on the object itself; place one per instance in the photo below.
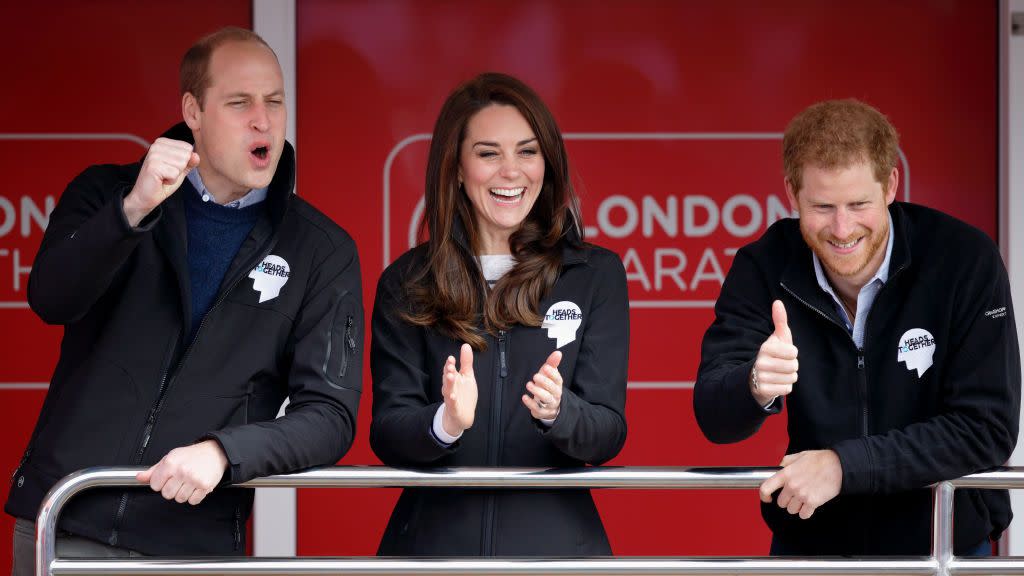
(448, 292)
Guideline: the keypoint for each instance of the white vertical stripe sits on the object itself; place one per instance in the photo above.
(274, 512)
(1011, 206)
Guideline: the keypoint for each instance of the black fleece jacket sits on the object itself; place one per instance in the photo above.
(406, 362)
(129, 387)
(895, 430)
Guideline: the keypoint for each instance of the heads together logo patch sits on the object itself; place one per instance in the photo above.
(916, 348)
(562, 320)
(269, 277)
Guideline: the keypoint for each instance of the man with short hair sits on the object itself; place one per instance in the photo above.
(889, 328)
(197, 293)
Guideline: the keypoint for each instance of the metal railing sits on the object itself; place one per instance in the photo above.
(942, 562)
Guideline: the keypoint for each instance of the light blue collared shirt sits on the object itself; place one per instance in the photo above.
(865, 298)
(254, 196)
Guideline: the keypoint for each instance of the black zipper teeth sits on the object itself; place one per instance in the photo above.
(860, 358)
(348, 332)
(165, 383)
(820, 313)
(495, 443)
(864, 389)
(861, 366)
(351, 342)
(238, 528)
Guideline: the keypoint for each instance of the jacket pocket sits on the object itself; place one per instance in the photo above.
(340, 348)
(348, 347)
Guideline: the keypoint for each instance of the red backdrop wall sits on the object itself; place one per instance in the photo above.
(672, 113)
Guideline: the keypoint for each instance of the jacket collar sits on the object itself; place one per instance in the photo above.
(171, 230)
(799, 279)
(281, 186)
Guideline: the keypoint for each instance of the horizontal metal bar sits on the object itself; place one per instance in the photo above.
(379, 476)
(1007, 478)
(653, 477)
(994, 565)
(601, 477)
(498, 566)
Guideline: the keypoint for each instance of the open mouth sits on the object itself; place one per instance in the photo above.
(260, 156)
(845, 246)
(507, 195)
(260, 152)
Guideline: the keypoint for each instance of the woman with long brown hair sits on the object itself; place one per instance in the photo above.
(500, 341)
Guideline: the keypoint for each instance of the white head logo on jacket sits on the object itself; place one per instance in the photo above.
(916, 348)
(562, 320)
(269, 277)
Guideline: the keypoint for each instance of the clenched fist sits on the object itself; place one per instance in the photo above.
(165, 167)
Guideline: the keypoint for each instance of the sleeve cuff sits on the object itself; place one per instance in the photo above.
(437, 430)
(855, 459)
(147, 222)
(551, 422)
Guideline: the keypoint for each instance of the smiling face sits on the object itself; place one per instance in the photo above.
(844, 218)
(502, 169)
(240, 128)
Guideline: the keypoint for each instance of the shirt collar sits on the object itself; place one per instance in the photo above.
(254, 196)
(881, 276)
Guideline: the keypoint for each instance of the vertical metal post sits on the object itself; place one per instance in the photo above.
(46, 535)
(942, 526)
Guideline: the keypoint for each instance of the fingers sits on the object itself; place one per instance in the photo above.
(776, 367)
(543, 396)
(775, 348)
(769, 486)
(538, 411)
(781, 321)
(466, 360)
(805, 482)
(197, 497)
(171, 488)
(790, 458)
(554, 359)
(448, 383)
(187, 474)
(806, 511)
(766, 364)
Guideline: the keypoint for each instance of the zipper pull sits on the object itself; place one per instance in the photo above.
(348, 333)
(24, 458)
(860, 361)
(501, 353)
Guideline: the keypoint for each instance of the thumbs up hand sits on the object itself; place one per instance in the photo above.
(775, 368)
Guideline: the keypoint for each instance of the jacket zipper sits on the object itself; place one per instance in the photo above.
(24, 458)
(165, 381)
(861, 366)
(238, 528)
(862, 374)
(348, 347)
(494, 457)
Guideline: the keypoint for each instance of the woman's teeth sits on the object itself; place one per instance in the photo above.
(507, 195)
(509, 192)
